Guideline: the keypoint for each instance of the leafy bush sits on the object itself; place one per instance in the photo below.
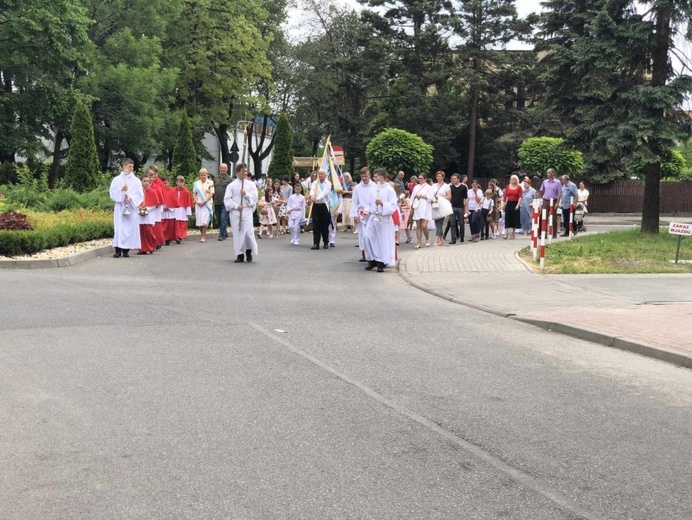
(537, 154)
(396, 150)
(14, 243)
(184, 155)
(13, 221)
(8, 173)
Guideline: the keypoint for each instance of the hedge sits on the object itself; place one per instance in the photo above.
(15, 243)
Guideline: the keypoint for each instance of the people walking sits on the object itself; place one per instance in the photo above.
(321, 218)
(241, 200)
(422, 212)
(512, 204)
(220, 184)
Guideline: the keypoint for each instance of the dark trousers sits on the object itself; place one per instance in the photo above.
(546, 207)
(565, 221)
(321, 219)
(485, 225)
(456, 219)
(221, 219)
(475, 223)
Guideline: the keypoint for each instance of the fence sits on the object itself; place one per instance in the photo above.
(628, 196)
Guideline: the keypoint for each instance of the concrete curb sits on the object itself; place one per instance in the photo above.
(66, 261)
(622, 343)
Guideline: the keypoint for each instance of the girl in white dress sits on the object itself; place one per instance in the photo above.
(267, 215)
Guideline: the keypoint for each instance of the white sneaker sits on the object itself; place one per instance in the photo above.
(296, 243)
(292, 241)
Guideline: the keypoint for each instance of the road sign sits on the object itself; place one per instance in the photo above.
(682, 230)
(678, 228)
(338, 151)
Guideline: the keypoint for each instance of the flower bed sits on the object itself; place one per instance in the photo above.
(50, 230)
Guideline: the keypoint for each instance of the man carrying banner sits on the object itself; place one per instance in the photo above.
(240, 201)
(380, 228)
(363, 194)
(321, 218)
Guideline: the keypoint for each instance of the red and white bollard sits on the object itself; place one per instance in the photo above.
(571, 217)
(550, 223)
(535, 219)
(542, 264)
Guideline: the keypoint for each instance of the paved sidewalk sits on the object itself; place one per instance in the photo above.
(649, 314)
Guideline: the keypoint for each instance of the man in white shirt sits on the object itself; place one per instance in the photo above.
(321, 218)
(363, 195)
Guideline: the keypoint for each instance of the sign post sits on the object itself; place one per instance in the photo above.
(681, 230)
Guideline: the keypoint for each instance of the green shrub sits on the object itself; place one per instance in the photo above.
(15, 243)
(396, 150)
(537, 154)
(82, 168)
(184, 155)
(8, 173)
(282, 159)
(62, 199)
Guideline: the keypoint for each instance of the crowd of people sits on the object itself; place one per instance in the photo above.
(150, 213)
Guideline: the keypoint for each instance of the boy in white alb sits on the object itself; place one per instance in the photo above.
(126, 192)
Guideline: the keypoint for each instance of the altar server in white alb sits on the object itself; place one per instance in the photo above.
(126, 192)
(363, 194)
(380, 229)
(240, 201)
(295, 207)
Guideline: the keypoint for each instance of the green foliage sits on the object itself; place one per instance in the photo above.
(42, 44)
(82, 169)
(14, 243)
(8, 173)
(537, 154)
(282, 160)
(674, 167)
(185, 161)
(396, 150)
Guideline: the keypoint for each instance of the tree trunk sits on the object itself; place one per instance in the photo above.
(57, 156)
(473, 121)
(659, 76)
(257, 154)
(222, 135)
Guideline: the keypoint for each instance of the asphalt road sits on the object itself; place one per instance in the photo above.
(183, 386)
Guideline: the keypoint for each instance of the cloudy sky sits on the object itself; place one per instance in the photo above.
(300, 21)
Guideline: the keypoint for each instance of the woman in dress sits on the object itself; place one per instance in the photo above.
(346, 218)
(203, 193)
(527, 198)
(512, 203)
(440, 189)
(422, 211)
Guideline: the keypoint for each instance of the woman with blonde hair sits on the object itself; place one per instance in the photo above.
(512, 202)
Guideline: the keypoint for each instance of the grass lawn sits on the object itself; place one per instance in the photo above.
(615, 252)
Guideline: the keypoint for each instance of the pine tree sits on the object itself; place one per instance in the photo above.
(82, 168)
(184, 155)
(282, 160)
(626, 104)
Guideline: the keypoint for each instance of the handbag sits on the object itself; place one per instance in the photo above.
(443, 209)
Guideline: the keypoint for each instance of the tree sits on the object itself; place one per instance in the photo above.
(82, 168)
(38, 58)
(282, 160)
(397, 150)
(537, 154)
(486, 26)
(626, 107)
(185, 161)
(221, 53)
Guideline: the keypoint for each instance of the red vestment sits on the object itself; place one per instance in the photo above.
(169, 218)
(184, 200)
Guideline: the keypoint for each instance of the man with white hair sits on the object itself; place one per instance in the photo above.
(321, 216)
